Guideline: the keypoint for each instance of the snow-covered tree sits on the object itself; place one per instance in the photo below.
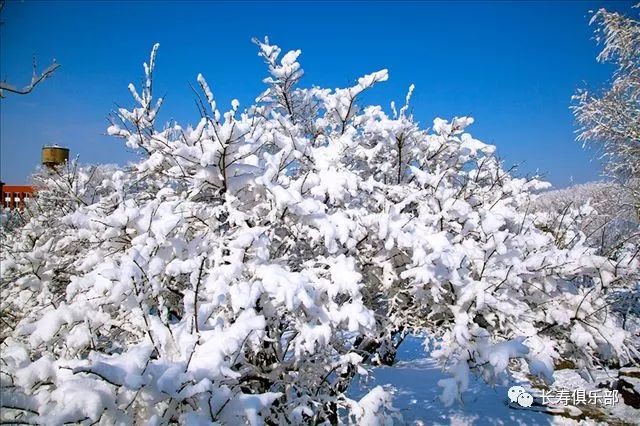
(604, 213)
(609, 222)
(610, 120)
(464, 259)
(192, 294)
(36, 78)
(248, 267)
(34, 268)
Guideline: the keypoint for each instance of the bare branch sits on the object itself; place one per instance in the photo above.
(35, 80)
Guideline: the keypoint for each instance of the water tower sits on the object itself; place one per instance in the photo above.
(54, 155)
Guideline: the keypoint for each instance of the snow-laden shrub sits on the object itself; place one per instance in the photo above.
(604, 214)
(248, 267)
(39, 251)
(603, 211)
(458, 253)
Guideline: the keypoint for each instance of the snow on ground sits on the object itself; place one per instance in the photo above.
(414, 380)
(414, 383)
(570, 379)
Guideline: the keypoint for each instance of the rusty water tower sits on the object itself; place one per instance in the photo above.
(54, 155)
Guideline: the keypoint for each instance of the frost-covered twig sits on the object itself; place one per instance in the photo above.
(35, 80)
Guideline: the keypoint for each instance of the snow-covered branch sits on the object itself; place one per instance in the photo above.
(36, 79)
(610, 119)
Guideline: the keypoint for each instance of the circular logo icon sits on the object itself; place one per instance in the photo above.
(518, 394)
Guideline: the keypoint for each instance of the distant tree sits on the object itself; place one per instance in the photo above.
(610, 221)
(611, 119)
(603, 214)
(36, 78)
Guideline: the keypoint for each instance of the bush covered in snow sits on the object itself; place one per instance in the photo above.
(604, 214)
(30, 236)
(248, 267)
(608, 217)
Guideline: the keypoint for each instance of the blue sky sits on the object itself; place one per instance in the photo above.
(513, 66)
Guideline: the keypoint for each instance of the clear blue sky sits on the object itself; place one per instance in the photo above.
(511, 65)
